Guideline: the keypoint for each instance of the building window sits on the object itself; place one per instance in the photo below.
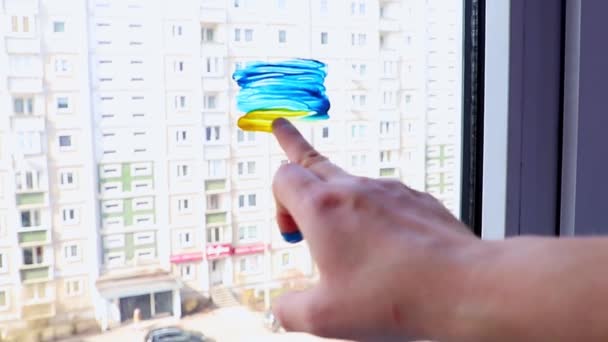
(248, 35)
(177, 30)
(182, 170)
(65, 142)
(362, 8)
(281, 4)
(250, 264)
(115, 259)
(216, 168)
(183, 205)
(210, 101)
(71, 252)
(323, 6)
(248, 233)
(3, 263)
(237, 34)
(144, 238)
(247, 201)
(282, 36)
(73, 287)
(35, 292)
(213, 202)
(23, 105)
(212, 65)
(243, 137)
(358, 131)
(62, 66)
(246, 168)
(3, 299)
(358, 160)
(181, 102)
(385, 156)
(286, 259)
(185, 239)
(30, 218)
(33, 255)
(69, 216)
(63, 103)
(67, 179)
(58, 26)
(325, 132)
(187, 271)
(20, 24)
(208, 34)
(178, 66)
(181, 137)
(324, 38)
(212, 133)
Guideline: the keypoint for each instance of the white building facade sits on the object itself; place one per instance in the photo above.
(124, 181)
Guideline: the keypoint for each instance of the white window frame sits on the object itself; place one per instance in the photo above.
(114, 241)
(247, 201)
(144, 238)
(66, 110)
(7, 299)
(141, 169)
(4, 262)
(69, 287)
(70, 147)
(191, 271)
(183, 171)
(74, 220)
(244, 169)
(247, 229)
(184, 205)
(183, 242)
(111, 171)
(139, 254)
(111, 255)
(67, 252)
(248, 269)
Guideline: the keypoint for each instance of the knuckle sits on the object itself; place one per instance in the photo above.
(324, 199)
(310, 157)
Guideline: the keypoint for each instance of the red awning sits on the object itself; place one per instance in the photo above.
(187, 257)
(219, 250)
(250, 249)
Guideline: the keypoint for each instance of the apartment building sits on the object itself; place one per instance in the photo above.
(124, 182)
(47, 213)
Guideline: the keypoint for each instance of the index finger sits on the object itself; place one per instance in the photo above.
(301, 152)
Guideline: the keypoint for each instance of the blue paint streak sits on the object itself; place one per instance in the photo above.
(295, 85)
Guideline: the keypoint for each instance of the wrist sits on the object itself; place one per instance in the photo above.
(464, 292)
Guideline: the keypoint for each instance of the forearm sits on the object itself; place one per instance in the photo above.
(534, 289)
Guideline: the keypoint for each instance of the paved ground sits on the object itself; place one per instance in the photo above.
(236, 324)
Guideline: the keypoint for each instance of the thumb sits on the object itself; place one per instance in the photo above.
(304, 311)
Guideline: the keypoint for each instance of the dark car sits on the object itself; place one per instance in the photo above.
(175, 334)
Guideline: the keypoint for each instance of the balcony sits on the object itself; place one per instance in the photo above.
(38, 311)
(34, 236)
(216, 218)
(389, 172)
(35, 273)
(216, 185)
(33, 199)
(22, 46)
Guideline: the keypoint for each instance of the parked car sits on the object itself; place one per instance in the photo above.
(175, 334)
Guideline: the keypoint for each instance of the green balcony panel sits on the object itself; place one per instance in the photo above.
(215, 185)
(216, 218)
(387, 172)
(35, 274)
(37, 236)
(30, 199)
(129, 246)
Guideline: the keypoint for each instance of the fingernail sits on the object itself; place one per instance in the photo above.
(292, 237)
(279, 122)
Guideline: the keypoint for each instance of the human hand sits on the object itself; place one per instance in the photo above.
(392, 261)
